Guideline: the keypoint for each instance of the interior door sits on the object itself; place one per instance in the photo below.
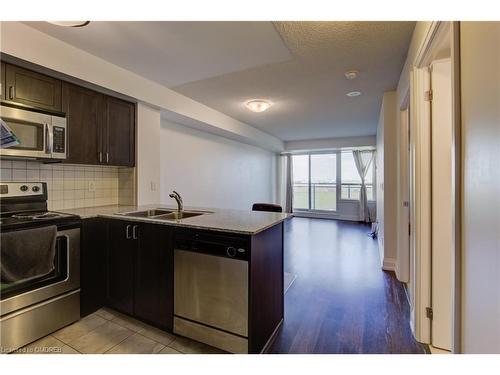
(442, 204)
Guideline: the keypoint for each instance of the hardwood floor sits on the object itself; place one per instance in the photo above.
(341, 301)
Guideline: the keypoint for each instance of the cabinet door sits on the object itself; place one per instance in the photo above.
(33, 89)
(154, 276)
(2, 84)
(120, 129)
(84, 114)
(93, 265)
(121, 252)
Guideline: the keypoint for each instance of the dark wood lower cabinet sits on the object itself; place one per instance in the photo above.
(153, 301)
(140, 271)
(93, 277)
(121, 254)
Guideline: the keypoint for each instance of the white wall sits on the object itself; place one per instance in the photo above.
(148, 154)
(387, 180)
(212, 171)
(480, 93)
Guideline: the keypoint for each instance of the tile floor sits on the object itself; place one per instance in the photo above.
(110, 332)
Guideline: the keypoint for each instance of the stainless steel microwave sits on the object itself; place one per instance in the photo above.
(40, 135)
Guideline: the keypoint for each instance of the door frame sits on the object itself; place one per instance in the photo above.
(421, 200)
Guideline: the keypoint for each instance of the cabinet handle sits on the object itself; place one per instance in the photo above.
(11, 92)
(127, 234)
(134, 232)
(100, 157)
(107, 157)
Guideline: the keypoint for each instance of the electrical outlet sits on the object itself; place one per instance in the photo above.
(153, 186)
(91, 186)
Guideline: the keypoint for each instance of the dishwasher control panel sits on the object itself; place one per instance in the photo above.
(214, 244)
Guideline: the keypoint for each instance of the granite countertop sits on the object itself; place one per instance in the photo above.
(224, 220)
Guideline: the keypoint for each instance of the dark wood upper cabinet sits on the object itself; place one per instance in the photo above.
(120, 270)
(120, 132)
(85, 116)
(154, 271)
(33, 89)
(2, 75)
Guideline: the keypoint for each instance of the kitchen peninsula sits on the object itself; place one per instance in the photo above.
(215, 276)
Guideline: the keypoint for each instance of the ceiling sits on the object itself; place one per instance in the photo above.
(299, 66)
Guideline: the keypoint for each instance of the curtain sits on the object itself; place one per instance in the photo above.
(289, 185)
(363, 159)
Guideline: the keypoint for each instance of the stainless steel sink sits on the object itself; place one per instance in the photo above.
(176, 215)
(148, 213)
(164, 214)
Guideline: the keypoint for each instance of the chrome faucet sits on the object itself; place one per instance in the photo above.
(178, 199)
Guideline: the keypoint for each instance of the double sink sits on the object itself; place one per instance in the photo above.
(165, 214)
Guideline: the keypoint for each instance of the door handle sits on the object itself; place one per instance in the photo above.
(48, 139)
(11, 92)
(134, 232)
(127, 234)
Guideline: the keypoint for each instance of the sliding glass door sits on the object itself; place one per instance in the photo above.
(315, 182)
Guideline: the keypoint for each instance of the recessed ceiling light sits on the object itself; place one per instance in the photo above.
(70, 23)
(258, 105)
(351, 74)
(352, 94)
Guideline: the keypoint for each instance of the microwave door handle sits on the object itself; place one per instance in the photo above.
(49, 139)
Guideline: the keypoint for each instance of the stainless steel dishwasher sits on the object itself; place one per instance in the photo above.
(211, 290)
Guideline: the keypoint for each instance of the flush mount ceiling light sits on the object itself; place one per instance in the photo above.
(258, 105)
(70, 23)
(351, 74)
(352, 94)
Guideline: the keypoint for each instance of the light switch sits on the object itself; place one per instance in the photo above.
(153, 186)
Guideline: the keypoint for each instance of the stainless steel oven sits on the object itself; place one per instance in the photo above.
(41, 135)
(35, 307)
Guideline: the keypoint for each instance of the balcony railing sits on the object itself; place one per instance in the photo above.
(324, 195)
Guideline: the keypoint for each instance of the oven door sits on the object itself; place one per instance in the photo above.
(33, 130)
(64, 278)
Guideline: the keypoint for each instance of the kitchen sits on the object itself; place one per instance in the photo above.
(223, 187)
(152, 207)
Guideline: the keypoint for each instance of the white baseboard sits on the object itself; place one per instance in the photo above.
(389, 264)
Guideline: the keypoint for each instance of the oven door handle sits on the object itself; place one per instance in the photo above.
(49, 139)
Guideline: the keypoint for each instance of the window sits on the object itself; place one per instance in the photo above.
(350, 180)
(315, 182)
(300, 182)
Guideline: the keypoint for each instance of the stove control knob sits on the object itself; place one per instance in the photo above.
(231, 252)
(35, 189)
(24, 188)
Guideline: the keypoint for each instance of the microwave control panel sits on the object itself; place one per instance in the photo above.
(59, 145)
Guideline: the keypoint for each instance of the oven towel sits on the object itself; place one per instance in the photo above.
(27, 253)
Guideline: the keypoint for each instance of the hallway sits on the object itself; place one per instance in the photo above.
(341, 300)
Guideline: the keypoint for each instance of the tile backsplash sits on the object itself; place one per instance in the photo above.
(75, 186)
